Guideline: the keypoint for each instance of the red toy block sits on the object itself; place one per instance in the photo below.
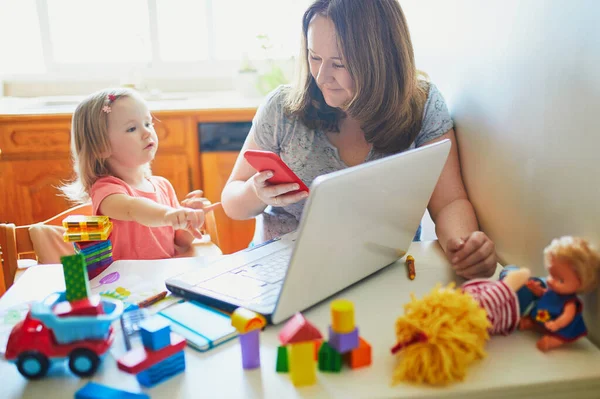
(298, 329)
(140, 358)
(82, 307)
(359, 357)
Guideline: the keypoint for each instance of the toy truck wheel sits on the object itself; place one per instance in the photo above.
(83, 362)
(32, 365)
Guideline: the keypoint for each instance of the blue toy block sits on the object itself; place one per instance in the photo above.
(156, 333)
(343, 343)
(162, 371)
(92, 390)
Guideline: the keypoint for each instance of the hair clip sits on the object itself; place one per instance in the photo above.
(110, 99)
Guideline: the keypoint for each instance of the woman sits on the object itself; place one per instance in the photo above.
(358, 98)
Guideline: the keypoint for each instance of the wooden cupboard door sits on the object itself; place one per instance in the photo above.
(176, 169)
(28, 189)
(49, 135)
(234, 235)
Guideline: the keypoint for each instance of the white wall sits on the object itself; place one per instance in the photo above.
(522, 79)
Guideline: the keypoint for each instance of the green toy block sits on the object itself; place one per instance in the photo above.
(329, 359)
(76, 277)
(282, 360)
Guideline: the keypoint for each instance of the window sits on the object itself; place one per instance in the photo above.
(102, 38)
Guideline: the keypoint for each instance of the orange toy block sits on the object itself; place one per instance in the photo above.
(318, 343)
(359, 357)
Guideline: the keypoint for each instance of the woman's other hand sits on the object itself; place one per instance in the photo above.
(472, 256)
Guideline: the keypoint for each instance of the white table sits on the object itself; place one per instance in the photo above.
(513, 367)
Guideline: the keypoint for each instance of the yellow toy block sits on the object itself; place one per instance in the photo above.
(342, 316)
(244, 320)
(302, 365)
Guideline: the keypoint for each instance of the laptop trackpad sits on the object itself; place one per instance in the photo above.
(236, 286)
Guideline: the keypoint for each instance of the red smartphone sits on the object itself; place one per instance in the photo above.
(267, 160)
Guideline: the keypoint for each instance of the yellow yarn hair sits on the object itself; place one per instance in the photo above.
(455, 330)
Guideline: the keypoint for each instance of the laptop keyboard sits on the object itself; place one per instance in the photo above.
(270, 269)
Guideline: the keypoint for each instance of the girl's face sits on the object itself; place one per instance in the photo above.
(562, 279)
(326, 63)
(133, 141)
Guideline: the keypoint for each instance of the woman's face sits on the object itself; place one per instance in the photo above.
(326, 64)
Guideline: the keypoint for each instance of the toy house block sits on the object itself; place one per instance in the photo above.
(282, 360)
(298, 329)
(83, 307)
(359, 357)
(342, 316)
(76, 277)
(92, 390)
(343, 342)
(329, 359)
(156, 333)
(244, 320)
(302, 363)
(162, 370)
(250, 343)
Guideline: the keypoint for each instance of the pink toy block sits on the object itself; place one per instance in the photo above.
(343, 342)
(298, 329)
(250, 343)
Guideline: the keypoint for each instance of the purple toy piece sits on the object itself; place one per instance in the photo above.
(343, 343)
(250, 342)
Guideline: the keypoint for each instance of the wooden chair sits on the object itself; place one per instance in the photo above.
(15, 242)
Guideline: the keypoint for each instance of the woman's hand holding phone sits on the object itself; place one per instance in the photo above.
(275, 194)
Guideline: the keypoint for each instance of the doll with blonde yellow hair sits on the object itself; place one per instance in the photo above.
(444, 332)
(573, 268)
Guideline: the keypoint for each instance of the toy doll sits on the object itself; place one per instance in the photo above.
(573, 268)
(441, 334)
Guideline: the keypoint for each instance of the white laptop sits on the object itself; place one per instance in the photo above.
(355, 222)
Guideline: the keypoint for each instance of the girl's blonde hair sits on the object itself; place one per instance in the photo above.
(390, 93)
(90, 146)
(580, 255)
(439, 337)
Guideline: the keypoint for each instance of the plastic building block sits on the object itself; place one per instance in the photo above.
(250, 343)
(83, 307)
(162, 370)
(76, 277)
(329, 359)
(92, 390)
(88, 247)
(88, 235)
(343, 342)
(282, 359)
(302, 363)
(298, 329)
(245, 320)
(156, 333)
(318, 343)
(342, 316)
(359, 357)
(85, 222)
(139, 359)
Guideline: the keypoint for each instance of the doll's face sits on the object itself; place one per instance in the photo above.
(562, 279)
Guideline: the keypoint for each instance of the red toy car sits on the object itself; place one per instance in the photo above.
(55, 330)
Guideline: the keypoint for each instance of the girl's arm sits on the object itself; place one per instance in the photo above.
(183, 241)
(149, 213)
